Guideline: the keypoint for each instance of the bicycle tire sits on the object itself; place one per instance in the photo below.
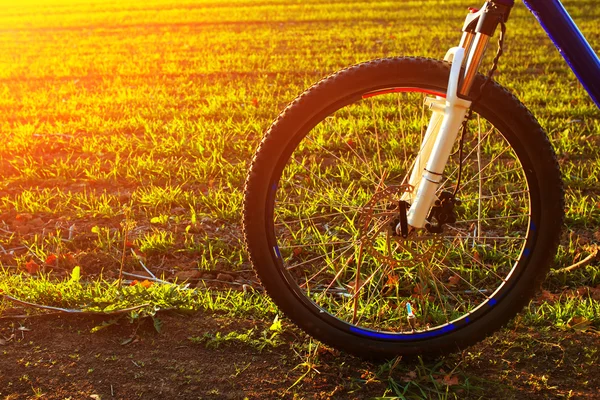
(322, 197)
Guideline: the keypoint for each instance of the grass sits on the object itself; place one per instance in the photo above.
(267, 338)
(130, 126)
(102, 296)
(319, 214)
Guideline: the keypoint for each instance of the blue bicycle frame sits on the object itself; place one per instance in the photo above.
(449, 113)
(569, 41)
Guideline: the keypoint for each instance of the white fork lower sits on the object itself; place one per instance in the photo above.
(444, 125)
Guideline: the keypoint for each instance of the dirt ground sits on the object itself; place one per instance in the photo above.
(57, 357)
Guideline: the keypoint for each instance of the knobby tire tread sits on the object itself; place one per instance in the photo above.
(295, 113)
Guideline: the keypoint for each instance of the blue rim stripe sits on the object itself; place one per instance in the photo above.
(415, 336)
(277, 253)
(395, 336)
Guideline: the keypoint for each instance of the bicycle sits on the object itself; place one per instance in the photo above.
(409, 206)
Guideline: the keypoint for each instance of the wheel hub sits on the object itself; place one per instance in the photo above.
(385, 234)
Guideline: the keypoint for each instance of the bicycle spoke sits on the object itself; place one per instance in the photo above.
(348, 258)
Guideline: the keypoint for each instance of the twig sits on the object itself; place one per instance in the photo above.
(581, 263)
(150, 278)
(6, 231)
(253, 285)
(125, 235)
(72, 310)
(29, 316)
(143, 265)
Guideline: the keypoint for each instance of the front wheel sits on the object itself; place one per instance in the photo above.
(327, 190)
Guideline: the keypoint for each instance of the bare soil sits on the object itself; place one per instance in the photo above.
(57, 357)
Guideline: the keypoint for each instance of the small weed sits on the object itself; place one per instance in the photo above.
(37, 392)
(239, 370)
(572, 311)
(107, 239)
(160, 198)
(157, 241)
(423, 380)
(267, 338)
(106, 297)
(309, 364)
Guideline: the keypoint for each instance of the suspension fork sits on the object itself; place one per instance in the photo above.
(448, 113)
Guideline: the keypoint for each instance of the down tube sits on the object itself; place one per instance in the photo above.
(570, 42)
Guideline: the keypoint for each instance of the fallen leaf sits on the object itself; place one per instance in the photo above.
(392, 280)
(453, 280)
(24, 217)
(450, 380)
(32, 267)
(51, 259)
(127, 341)
(146, 283)
(579, 323)
(410, 376)
(323, 350)
(547, 296)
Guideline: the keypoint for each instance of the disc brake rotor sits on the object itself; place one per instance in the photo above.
(378, 220)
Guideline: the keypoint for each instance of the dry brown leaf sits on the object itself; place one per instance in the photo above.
(409, 377)
(453, 280)
(579, 323)
(547, 296)
(450, 380)
(595, 292)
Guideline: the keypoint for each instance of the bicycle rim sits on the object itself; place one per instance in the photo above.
(335, 208)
